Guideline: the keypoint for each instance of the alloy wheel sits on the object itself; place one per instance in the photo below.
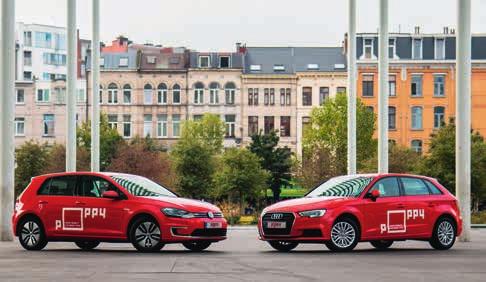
(147, 234)
(30, 233)
(343, 234)
(445, 233)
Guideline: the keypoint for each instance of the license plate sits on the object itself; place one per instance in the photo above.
(211, 225)
(276, 224)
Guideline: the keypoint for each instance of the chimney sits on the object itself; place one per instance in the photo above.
(417, 29)
(452, 31)
(240, 48)
(446, 30)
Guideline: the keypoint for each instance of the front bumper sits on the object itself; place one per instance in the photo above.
(192, 229)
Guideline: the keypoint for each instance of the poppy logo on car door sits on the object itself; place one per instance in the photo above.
(72, 219)
(397, 220)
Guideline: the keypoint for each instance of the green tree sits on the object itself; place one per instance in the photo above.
(276, 160)
(31, 159)
(110, 140)
(209, 130)
(328, 131)
(400, 160)
(440, 162)
(240, 176)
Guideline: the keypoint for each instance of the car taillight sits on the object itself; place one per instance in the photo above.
(18, 205)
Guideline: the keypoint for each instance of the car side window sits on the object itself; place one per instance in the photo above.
(388, 187)
(433, 189)
(414, 186)
(59, 186)
(92, 186)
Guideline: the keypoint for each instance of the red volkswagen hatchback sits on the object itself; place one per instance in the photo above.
(89, 208)
(378, 208)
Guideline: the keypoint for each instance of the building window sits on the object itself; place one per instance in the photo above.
(307, 96)
(162, 126)
(439, 48)
(392, 86)
(255, 68)
(392, 118)
(147, 125)
(417, 146)
(229, 93)
(48, 122)
(230, 122)
(113, 121)
(27, 58)
(19, 96)
(176, 125)
(252, 125)
(370, 109)
(176, 94)
(54, 59)
(266, 96)
(269, 124)
(287, 96)
(127, 126)
(323, 94)
(253, 96)
(112, 94)
(28, 38)
(43, 95)
(27, 75)
(439, 85)
(102, 62)
(81, 97)
(197, 117)
(417, 49)
(147, 94)
(282, 96)
(368, 48)
(416, 118)
(43, 39)
(416, 86)
(367, 85)
(341, 90)
(439, 117)
(391, 48)
(162, 94)
(199, 93)
(278, 68)
(285, 126)
(127, 94)
(204, 61)
(19, 126)
(224, 62)
(272, 96)
(123, 62)
(101, 94)
(60, 95)
(214, 93)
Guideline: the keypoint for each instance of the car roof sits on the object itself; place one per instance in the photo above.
(394, 174)
(48, 175)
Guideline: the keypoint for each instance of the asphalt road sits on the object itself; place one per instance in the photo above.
(243, 258)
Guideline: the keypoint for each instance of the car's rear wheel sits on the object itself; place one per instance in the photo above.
(145, 235)
(197, 246)
(87, 245)
(444, 234)
(283, 246)
(31, 234)
(344, 235)
(382, 244)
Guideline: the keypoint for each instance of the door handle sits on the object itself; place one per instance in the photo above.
(80, 203)
(400, 206)
(431, 204)
(42, 202)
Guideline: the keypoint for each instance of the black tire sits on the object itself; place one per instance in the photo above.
(87, 245)
(283, 246)
(31, 234)
(347, 239)
(444, 234)
(145, 235)
(382, 244)
(196, 246)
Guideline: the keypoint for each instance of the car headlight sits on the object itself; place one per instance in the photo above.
(177, 213)
(312, 213)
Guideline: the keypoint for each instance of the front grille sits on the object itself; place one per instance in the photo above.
(288, 218)
(312, 233)
(216, 232)
(205, 215)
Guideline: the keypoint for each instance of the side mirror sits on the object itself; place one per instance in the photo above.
(373, 195)
(111, 195)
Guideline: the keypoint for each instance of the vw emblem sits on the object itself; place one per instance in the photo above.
(276, 216)
(210, 215)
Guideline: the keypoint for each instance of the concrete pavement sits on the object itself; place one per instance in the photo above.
(243, 258)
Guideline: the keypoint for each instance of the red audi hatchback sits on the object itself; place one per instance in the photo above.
(89, 208)
(378, 208)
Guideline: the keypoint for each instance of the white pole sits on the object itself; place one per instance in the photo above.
(71, 86)
(463, 115)
(95, 95)
(352, 87)
(383, 89)
(7, 118)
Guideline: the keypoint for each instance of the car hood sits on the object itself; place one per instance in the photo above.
(303, 204)
(183, 203)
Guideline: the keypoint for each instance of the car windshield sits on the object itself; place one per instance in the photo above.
(341, 186)
(141, 186)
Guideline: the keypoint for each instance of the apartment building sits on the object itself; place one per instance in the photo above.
(421, 84)
(214, 85)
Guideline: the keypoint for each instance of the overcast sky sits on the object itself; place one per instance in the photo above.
(218, 24)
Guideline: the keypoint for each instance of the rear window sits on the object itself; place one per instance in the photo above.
(414, 186)
(58, 186)
(433, 189)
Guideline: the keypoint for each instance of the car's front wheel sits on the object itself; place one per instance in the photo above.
(197, 246)
(145, 235)
(444, 234)
(31, 234)
(87, 245)
(381, 244)
(344, 235)
(283, 246)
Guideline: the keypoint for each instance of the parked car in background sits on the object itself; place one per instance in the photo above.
(375, 208)
(88, 208)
